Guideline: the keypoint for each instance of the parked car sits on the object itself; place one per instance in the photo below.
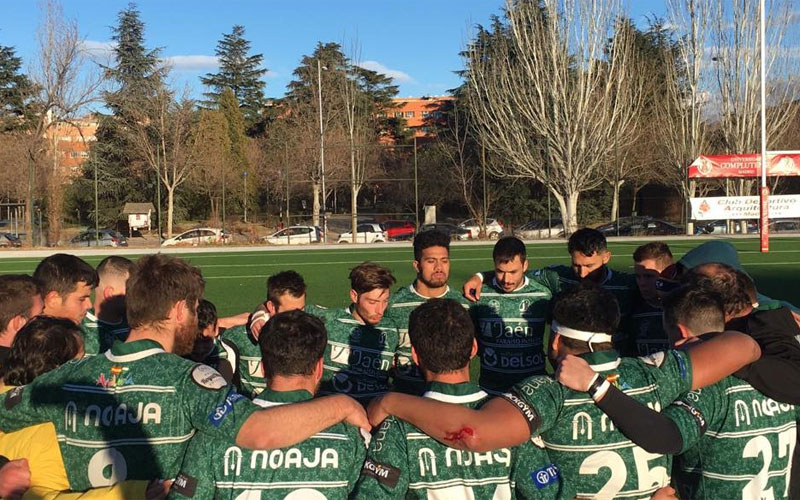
(493, 228)
(784, 226)
(721, 226)
(455, 232)
(366, 233)
(536, 229)
(399, 229)
(295, 235)
(199, 236)
(102, 238)
(9, 240)
(640, 226)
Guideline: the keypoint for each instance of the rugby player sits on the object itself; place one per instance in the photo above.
(733, 441)
(286, 291)
(67, 284)
(20, 300)
(130, 412)
(590, 256)
(432, 265)
(404, 463)
(209, 349)
(105, 322)
(579, 439)
(325, 465)
(510, 319)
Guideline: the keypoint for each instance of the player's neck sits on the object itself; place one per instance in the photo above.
(6, 339)
(427, 291)
(146, 332)
(292, 383)
(457, 377)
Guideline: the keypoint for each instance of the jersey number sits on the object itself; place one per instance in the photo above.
(760, 445)
(648, 478)
(107, 467)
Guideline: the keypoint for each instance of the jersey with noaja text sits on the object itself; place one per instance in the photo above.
(510, 333)
(737, 443)
(99, 335)
(251, 370)
(405, 463)
(407, 377)
(596, 460)
(324, 466)
(128, 413)
(359, 358)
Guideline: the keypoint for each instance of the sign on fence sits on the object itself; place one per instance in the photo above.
(744, 207)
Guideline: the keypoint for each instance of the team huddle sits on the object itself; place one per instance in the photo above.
(677, 381)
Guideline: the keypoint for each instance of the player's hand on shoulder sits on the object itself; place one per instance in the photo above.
(157, 489)
(353, 411)
(472, 289)
(575, 373)
(257, 321)
(665, 493)
(376, 411)
(15, 478)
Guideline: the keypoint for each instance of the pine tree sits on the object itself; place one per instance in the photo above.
(16, 91)
(239, 72)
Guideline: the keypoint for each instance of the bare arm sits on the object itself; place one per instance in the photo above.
(231, 321)
(472, 288)
(720, 356)
(286, 425)
(498, 424)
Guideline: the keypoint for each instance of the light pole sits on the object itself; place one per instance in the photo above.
(245, 196)
(322, 152)
(764, 188)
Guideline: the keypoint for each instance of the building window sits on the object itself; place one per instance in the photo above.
(398, 114)
(382, 114)
(73, 154)
(84, 154)
(425, 114)
(409, 114)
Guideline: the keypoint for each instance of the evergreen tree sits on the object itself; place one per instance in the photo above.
(238, 163)
(239, 72)
(16, 91)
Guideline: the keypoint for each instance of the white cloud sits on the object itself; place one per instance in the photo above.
(96, 48)
(192, 62)
(395, 74)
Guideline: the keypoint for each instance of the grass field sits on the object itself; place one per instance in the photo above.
(236, 281)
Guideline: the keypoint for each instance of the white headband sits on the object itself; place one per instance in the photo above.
(589, 337)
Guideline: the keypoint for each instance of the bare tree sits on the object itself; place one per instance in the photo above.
(548, 100)
(65, 90)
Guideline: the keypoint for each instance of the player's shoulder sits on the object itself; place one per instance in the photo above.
(557, 269)
(235, 333)
(535, 384)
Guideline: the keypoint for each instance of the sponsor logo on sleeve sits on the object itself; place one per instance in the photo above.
(528, 411)
(208, 378)
(545, 476)
(698, 416)
(13, 397)
(185, 484)
(383, 473)
(220, 412)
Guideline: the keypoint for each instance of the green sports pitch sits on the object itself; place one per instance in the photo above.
(236, 280)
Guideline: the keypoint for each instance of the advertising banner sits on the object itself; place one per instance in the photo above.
(744, 207)
(709, 167)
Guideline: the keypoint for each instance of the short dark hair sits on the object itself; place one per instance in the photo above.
(700, 309)
(507, 248)
(368, 276)
(590, 308)
(157, 282)
(62, 272)
(655, 250)
(587, 241)
(115, 265)
(43, 344)
(731, 285)
(292, 342)
(427, 239)
(206, 315)
(16, 297)
(283, 282)
(441, 333)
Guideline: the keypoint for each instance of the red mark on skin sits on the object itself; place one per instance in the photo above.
(459, 435)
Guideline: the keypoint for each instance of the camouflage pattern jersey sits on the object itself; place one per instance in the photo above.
(251, 371)
(324, 466)
(99, 335)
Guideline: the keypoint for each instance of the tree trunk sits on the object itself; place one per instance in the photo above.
(315, 188)
(615, 200)
(353, 193)
(170, 201)
(568, 205)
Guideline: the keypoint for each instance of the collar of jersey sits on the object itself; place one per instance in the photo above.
(602, 361)
(462, 393)
(525, 283)
(268, 397)
(90, 316)
(122, 352)
(415, 292)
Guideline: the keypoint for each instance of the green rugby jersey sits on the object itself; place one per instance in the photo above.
(643, 330)
(128, 413)
(359, 358)
(251, 370)
(510, 332)
(595, 459)
(324, 466)
(223, 356)
(98, 335)
(737, 443)
(407, 377)
(405, 463)
(560, 277)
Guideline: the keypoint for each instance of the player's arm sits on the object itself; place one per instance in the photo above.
(258, 318)
(231, 321)
(385, 471)
(498, 424)
(120, 491)
(196, 479)
(720, 356)
(15, 477)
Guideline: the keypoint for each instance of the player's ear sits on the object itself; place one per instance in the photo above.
(16, 323)
(179, 310)
(525, 265)
(555, 342)
(606, 257)
(474, 350)
(108, 292)
(318, 370)
(353, 296)
(415, 263)
(52, 300)
(685, 333)
(414, 355)
(271, 309)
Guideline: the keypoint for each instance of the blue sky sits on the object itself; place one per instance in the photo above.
(415, 41)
